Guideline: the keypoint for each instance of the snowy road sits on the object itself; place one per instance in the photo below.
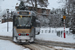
(6, 38)
(42, 45)
(30, 46)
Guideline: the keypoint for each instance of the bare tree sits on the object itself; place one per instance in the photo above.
(70, 5)
(36, 3)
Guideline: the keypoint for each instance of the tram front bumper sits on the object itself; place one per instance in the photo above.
(23, 37)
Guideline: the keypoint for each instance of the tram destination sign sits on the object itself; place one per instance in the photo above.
(24, 13)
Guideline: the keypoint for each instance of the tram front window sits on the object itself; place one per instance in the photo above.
(23, 21)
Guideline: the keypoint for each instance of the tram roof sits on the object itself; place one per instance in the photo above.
(32, 13)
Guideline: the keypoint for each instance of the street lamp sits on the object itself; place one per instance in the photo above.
(7, 19)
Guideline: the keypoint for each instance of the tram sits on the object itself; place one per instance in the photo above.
(24, 23)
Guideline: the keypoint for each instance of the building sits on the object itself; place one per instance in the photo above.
(7, 16)
(40, 11)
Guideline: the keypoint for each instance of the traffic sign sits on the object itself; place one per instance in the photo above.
(64, 17)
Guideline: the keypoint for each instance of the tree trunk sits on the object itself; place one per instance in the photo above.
(36, 5)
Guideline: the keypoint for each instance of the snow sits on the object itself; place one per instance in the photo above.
(8, 45)
(42, 36)
(63, 48)
(3, 29)
(52, 36)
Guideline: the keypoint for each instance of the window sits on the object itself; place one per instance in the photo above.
(45, 31)
(43, 10)
(24, 21)
(49, 31)
(58, 33)
(66, 32)
(61, 32)
(52, 31)
(42, 31)
(48, 11)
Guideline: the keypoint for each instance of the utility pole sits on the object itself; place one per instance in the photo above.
(7, 19)
(64, 17)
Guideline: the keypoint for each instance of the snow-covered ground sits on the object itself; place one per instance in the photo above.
(8, 45)
(62, 48)
(42, 36)
(52, 35)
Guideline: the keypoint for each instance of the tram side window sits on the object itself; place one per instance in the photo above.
(33, 21)
(16, 21)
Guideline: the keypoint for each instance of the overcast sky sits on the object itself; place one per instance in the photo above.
(10, 4)
(55, 4)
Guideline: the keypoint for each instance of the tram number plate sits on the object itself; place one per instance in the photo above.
(23, 37)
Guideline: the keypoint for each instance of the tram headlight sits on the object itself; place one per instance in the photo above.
(18, 12)
(29, 13)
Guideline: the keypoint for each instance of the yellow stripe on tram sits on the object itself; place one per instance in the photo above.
(21, 16)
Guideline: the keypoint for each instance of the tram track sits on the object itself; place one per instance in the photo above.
(59, 44)
(6, 38)
(42, 45)
(38, 47)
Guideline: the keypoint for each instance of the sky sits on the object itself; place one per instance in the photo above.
(6, 4)
(54, 4)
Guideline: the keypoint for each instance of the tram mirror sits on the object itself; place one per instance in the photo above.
(38, 33)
